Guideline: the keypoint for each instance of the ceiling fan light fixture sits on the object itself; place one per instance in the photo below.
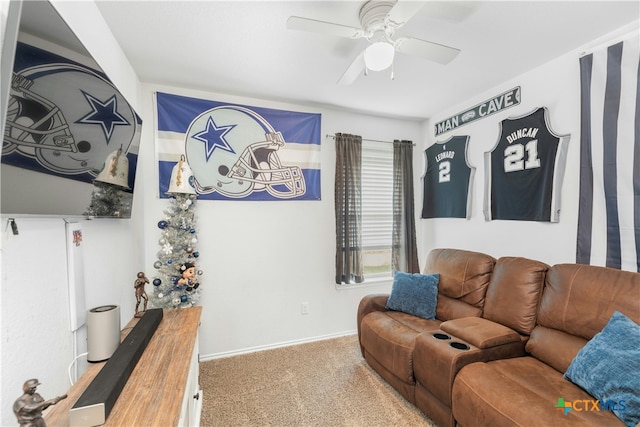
(379, 56)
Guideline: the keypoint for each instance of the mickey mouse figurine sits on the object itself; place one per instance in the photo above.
(188, 279)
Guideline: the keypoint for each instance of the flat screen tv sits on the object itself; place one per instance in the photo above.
(70, 139)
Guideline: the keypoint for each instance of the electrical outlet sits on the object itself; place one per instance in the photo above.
(304, 308)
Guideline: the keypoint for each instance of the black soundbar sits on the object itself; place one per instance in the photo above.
(95, 404)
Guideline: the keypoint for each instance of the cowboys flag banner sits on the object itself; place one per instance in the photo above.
(609, 208)
(238, 152)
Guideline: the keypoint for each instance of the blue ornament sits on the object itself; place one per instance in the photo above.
(157, 282)
(163, 224)
(174, 279)
(184, 298)
(192, 230)
(169, 261)
(196, 254)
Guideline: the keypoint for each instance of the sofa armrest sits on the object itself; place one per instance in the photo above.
(371, 303)
(480, 332)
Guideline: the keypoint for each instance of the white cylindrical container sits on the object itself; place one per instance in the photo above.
(103, 332)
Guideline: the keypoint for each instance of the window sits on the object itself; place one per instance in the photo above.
(375, 222)
(377, 208)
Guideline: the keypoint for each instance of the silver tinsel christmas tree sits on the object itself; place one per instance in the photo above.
(109, 200)
(176, 282)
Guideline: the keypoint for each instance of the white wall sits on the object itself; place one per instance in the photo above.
(36, 339)
(555, 85)
(261, 260)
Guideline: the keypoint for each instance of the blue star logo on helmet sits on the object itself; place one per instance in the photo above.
(214, 137)
(103, 113)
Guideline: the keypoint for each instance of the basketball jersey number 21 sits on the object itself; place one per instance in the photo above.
(524, 171)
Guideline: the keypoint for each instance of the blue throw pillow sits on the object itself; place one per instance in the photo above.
(415, 294)
(608, 368)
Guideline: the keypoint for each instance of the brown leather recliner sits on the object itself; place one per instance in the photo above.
(387, 338)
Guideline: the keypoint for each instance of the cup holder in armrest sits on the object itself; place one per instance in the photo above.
(459, 345)
(441, 336)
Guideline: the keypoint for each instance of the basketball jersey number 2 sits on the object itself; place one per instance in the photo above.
(444, 171)
(514, 156)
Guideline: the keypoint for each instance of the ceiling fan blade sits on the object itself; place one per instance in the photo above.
(432, 51)
(355, 69)
(402, 12)
(322, 27)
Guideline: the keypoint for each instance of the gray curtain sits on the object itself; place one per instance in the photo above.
(348, 204)
(404, 253)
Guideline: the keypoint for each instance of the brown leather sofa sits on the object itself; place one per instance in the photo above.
(505, 331)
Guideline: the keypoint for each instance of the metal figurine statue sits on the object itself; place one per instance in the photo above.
(28, 407)
(140, 293)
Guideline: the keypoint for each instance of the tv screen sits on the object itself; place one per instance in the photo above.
(70, 140)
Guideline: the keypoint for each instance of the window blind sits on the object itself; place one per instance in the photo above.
(377, 194)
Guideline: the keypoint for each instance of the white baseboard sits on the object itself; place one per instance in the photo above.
(206, 357)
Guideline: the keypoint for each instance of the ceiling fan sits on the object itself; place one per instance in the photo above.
(379, 20)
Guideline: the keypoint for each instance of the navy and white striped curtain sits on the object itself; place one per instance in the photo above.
(609, 207)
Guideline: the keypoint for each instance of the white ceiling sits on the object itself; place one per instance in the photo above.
(244, 48)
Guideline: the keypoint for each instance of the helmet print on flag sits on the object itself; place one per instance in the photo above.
(66, 116)
(233, 150)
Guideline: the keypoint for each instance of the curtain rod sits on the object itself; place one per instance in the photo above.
(369, 140)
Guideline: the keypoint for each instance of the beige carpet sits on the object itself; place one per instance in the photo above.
(325, 383)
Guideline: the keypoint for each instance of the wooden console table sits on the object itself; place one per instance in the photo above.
(163, 389)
